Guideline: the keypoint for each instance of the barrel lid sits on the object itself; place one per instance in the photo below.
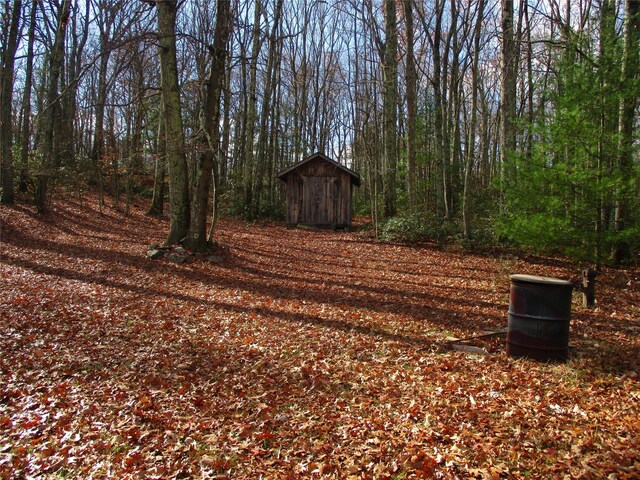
(518, 278)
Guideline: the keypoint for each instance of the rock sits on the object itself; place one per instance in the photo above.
(176, 258)
(215, 259)
(180, 250)
(154, 253)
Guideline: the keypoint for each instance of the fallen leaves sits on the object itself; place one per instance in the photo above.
(302, 354)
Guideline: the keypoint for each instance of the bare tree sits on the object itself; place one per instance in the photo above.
(273, 60)
(50, 117)
(412, 105)
(508, 64)
(160, 167)
(210, 131)
(7, 62)
(390, 102)
(471, 137)
(179, 214)
(250, 117)
(25, 134)
(78, 33)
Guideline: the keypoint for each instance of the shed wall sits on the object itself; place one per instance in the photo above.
(319, 193)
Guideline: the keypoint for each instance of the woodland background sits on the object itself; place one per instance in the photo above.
(473, 121)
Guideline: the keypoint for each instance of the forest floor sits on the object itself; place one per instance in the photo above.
(301, 354)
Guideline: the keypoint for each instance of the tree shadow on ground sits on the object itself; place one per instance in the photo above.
(418, 303)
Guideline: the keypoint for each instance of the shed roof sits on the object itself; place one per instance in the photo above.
(355, 178)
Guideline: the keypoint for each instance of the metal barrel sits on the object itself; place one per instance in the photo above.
(539, 317)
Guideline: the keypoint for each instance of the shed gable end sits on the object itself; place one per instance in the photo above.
(319, 192)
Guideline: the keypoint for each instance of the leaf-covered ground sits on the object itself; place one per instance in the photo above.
(303, 354)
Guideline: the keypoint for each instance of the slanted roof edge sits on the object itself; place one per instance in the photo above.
(355, 177)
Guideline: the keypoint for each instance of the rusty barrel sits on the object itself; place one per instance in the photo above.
(539, 317)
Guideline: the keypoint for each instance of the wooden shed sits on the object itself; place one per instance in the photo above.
(319, 192)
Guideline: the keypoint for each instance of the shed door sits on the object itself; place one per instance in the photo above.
(319, 199)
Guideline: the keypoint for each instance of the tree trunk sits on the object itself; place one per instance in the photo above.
(261, 157)
(226, 124)
(49, 120)
(206, 162)
(239, 134)
(302, 141)
(97, 150)
(251, 113)
(530, 85)
(79, 35)
(608, 75)
(6, 103)
(412, 107)
(438, 121)
(390, 102)
(628, 102)
(157, 201)
(453, 143)
(471, 142)
(507, 94)
(176, 158)
(26, 104)
(133, 160)
(113, 154)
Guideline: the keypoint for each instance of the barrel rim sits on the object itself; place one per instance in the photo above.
(539, 280)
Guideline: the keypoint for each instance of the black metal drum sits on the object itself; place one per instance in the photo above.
(539, 317)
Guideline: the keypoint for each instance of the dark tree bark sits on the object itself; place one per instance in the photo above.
(438, 124)
(78, 34)
(50, 117)
(507, 92)
(107, 19)
(250, 119)
(8, 53)
(471, 142)
(412, 106)
(226, 124)
(390, 102)
(179, 217)
(269, 88)
(210, 149)
(25, 133)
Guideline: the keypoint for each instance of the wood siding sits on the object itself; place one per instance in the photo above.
(319, 194)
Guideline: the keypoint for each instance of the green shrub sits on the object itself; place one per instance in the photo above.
(405, 228)
(420, 228)
(272, 210)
